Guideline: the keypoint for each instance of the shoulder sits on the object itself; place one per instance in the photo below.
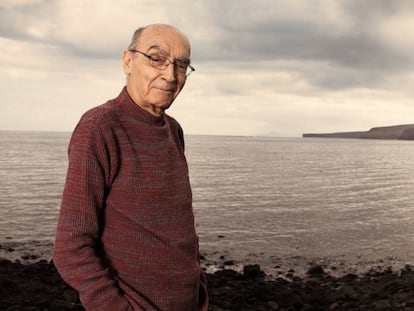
(96, 125)
(102, 114)
(173, 123)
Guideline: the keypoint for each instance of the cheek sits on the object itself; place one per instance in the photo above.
(179, 88)
(143, 85)
(143, 79)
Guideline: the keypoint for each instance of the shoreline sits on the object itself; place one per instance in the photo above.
(32, 284)
(214, 259)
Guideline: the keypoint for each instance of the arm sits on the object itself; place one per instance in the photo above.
(203, 293)
(76, 253)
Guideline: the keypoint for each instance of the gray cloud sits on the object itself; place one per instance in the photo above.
(260, 31)
(247, 31)
(296, 58)
(42, 21)
(16, 20)
(366, 11)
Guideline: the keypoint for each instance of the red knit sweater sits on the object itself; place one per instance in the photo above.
(126, 238)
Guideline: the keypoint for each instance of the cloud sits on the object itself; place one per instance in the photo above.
(259, 64)
(342, 37)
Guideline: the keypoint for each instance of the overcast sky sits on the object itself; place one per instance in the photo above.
(263, 67)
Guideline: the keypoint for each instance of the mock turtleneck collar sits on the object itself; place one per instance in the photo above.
(136, 111)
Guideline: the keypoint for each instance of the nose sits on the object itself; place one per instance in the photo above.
(169, 73)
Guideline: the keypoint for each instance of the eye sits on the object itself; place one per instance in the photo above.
(158, 59)
(181, 65)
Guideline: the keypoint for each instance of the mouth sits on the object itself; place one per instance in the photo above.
(166, 90)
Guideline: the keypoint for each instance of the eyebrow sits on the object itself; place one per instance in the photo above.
(158, 48)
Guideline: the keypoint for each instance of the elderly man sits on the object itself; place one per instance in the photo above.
(126, 237)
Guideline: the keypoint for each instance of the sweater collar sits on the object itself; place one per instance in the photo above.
(136, 111)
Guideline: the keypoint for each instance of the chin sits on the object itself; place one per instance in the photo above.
(165, 104)
(165, 107)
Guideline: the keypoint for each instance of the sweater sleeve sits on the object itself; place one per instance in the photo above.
(77, 245)
(203, 293)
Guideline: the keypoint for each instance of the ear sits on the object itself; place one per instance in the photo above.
(126, 61)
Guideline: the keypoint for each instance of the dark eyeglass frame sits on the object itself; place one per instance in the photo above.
(153, 59)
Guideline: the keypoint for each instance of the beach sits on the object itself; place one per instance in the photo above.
(30, 284)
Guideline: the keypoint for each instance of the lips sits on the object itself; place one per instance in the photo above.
(165, 88)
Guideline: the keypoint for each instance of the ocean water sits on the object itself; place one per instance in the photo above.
(256, 199)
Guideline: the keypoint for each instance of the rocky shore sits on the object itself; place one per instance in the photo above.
(37, 286)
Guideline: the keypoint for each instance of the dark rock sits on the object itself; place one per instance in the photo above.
(272, 305)
(316, 270)
(5, 262)
(289, 275)
(350, 277)
(349, 292)
(226, 273)
(288, 299)
(229, 263)
(252, 271)
(29, 257)
(33, 287)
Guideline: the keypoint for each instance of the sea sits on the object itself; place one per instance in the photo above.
(346, 204)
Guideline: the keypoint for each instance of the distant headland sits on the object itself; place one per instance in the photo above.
(405, 132)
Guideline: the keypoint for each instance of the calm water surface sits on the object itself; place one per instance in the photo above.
(313, 197)
(273, 197)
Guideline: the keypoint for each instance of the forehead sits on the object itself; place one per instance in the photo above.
(166, 39)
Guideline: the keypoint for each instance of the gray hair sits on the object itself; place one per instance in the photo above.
(135, 38)
(137, 35)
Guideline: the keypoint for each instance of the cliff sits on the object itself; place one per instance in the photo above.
(405, 132)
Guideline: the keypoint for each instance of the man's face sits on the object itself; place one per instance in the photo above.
(154, 89)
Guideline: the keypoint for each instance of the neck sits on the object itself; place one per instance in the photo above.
(150, 108)
(154, 110)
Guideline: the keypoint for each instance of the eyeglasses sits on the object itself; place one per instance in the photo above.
(161, 62)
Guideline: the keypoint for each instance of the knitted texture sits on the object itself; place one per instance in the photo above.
(126, 238)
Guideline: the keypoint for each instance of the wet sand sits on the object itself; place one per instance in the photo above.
(37, 286)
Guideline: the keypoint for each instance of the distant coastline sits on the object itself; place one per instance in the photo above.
(403, 132)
